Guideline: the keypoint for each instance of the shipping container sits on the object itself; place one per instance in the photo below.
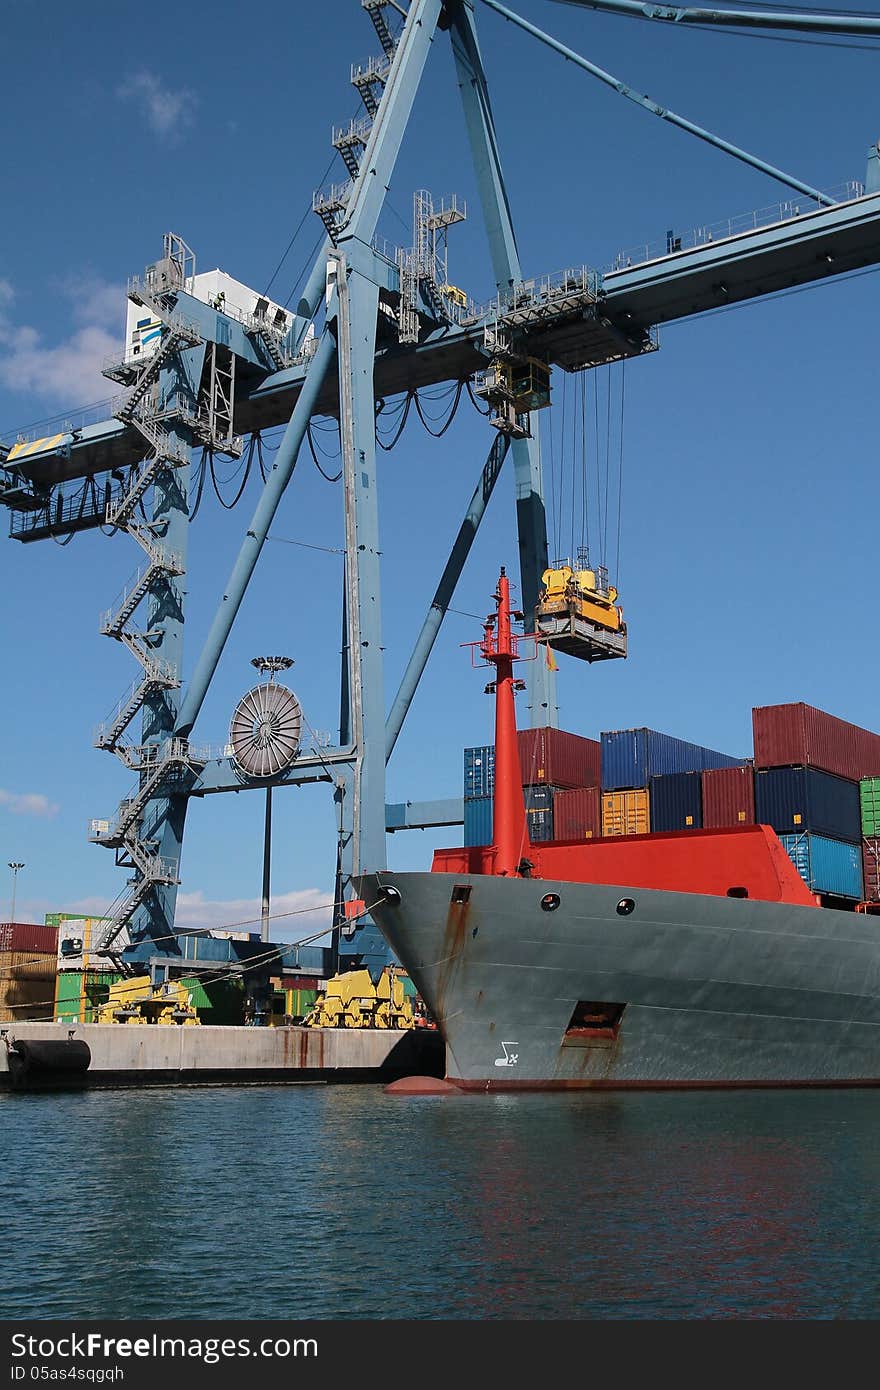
(76, 939)
(626, 812)
(577, 814)
(478, 820)
(27, 985)
(558, 759)
(728, 797)
(792, 799)
(788, 735)
(80, 993)
(479, 771)
(548, 757)
(871, 867)
(216, 1001)
(676, 801)
(826, 865)
(539, 823)
(28, 936)
(869, 799)
(631, 757)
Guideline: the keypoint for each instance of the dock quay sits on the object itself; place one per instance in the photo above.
(94, 1055)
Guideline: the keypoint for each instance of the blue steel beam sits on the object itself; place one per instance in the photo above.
(663, 112)
(814, 22)
(531, 512)
(796, 250)
(445, 590)
(424, 815)
(370, 189)
(280, 475)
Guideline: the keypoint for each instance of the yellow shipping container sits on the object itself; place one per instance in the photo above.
(27, 984)
(626, 813)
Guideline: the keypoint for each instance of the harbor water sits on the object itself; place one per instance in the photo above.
(323, 1202)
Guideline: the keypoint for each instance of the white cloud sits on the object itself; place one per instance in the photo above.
(68, 372)
(166, 112)
(293, 915)
(28, 804)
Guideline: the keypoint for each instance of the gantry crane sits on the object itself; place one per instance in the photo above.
(207, 364)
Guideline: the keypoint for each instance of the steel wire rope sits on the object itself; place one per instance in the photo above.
(204, 933)
(228, 506)
(438, 434)
(400, 427)
(306, 266)
(585, 511)
(723, 31)
(325, 475)
(474, 401)
(608, 384)
(557, 529)
(299, 227)
(201, 474)
(620, 469)
(552, 469)
(253, 962)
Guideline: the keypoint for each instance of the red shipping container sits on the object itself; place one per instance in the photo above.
(29, 936)
(798, 735)
(577, 814)
(728, 797)
(871, 865)
(554, 758)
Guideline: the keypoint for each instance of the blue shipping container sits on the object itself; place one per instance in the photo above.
(479, 772)
(478, 820)
(631, 757)
(827, 866)
(676, 801)
(538, 798)
(539, 813)
(792, 799)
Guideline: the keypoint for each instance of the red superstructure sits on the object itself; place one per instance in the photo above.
(509, 832)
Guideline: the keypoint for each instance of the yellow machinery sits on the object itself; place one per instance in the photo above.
(577, 612)
(353, 1001)
(455, 296)
(512, 387)
(138, 1001)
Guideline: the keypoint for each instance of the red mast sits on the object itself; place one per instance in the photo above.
(509, 830)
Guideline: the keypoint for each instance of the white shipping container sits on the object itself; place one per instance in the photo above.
(75, 938)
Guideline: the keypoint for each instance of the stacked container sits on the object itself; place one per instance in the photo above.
(27, 971)
(808, 769)
(84, 974)
(676, 801)
(728, 797)
(577, 813)
(552, 762)
(869, 800)
(640, 766)
(631, 757)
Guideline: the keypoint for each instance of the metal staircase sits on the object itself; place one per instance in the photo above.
(161, 422)
(369, 80)
(376, 10)
(351, 141)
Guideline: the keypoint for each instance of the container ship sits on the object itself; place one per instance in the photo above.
(730, 941)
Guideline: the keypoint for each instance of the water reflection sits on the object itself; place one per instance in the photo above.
(330, 1201)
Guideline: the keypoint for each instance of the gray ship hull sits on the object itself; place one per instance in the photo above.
(717, 991)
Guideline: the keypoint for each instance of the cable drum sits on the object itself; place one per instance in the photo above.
(266, 730)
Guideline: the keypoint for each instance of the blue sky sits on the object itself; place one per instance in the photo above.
(749, 484)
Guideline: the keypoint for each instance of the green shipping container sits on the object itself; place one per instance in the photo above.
(79, 994)
(869, 796)
(216, 1001)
